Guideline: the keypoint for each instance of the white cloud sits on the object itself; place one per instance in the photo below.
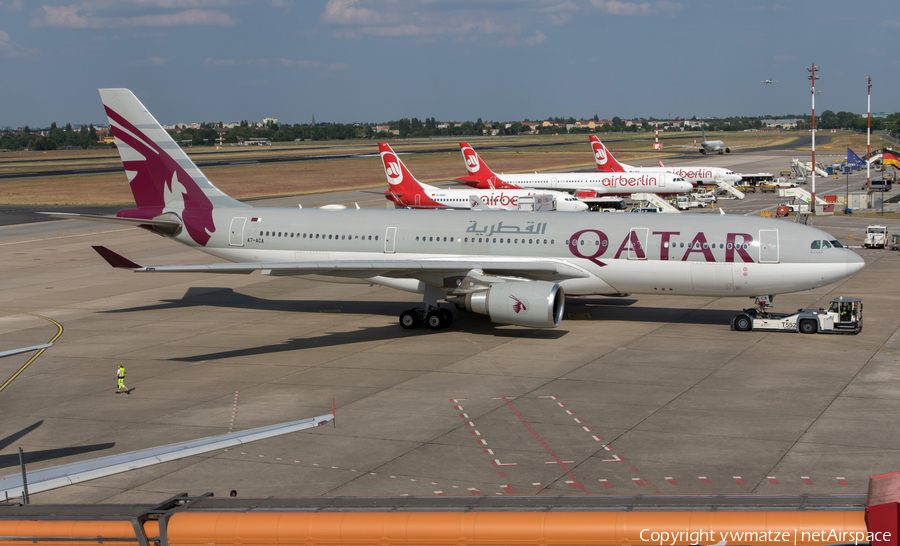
(300, 63)
(344, 12)
(158, 60)
(15, 5)
(209, 61)
(615, 7)
(538, 38)
(82, 16)
(892, 23)
(10, 49)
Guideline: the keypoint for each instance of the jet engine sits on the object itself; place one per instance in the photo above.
(536, 304)
(727, 150)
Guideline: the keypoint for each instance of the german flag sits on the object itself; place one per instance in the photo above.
(890, 157)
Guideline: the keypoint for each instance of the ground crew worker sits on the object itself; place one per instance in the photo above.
(120, 375)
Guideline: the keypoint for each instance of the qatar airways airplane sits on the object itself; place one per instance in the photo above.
(515, 267)
(404, 190)
(695, 175)
(711, 146)
(481, 176)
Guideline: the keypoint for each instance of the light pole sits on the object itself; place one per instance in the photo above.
(869, 133)
(813, 77)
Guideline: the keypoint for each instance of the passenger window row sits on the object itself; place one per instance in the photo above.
(320, 236)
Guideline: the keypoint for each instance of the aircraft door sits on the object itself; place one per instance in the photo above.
(637, 247)
(768, 246)
(236, 235)
(662, 180)
(554, 183)
(390, 237)
(418, 200)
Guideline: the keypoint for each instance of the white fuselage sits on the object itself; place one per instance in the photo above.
(694, 175)
(498, 199)
(640, 253)
(602, 183)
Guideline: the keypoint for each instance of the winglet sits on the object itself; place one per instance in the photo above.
(116, 260)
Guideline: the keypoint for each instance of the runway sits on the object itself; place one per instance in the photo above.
(632, 395)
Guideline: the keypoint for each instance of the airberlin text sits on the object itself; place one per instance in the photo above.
(592, 244)
(632, 181)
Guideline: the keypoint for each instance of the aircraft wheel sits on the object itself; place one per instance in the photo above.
(435, 320)
(808, 326)
(743, 323)
(409, 320)
(448, 316)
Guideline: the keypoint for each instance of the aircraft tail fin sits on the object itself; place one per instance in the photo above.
(480, 175)
(163, 178)
(401, 183)
(477, 203)
(604, 158)
(661, 164)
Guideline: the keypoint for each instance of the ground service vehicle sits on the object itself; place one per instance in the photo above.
(685, 202)
(844, 316)
(876, 237)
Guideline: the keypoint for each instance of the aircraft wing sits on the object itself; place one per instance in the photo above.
(531, 269)
(12, 352)
(53, 477)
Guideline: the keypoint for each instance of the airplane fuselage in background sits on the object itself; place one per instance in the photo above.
(602, 183)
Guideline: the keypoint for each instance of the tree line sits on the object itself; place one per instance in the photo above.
(209, 133)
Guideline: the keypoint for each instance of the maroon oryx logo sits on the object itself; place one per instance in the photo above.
(518, 306)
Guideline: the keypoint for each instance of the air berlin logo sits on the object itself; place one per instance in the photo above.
(471, 160)
(519, 306)
(392, 168)
(599, 153)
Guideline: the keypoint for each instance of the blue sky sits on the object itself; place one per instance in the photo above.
(373, 61)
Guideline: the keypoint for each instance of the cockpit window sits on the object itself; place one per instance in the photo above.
(826, 244)
(816, 245)
(837, 244)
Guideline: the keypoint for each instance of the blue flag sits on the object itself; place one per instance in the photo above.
(854, 159)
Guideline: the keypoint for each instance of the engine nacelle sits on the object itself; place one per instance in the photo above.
(536, 304)
(727, 150)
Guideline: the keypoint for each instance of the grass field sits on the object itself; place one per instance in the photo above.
(283, 179)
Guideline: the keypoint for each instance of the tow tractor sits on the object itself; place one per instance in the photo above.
(843, 316)
(876, 236)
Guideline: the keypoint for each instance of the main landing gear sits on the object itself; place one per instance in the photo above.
(435, 318)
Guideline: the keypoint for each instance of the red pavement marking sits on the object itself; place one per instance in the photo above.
(633, 469)
(671, 481)
(457, 408)
(474, 491)
(470, 424)
(570, 412)
(598, 438)
(482, 442)
(578, 420)
(605, 483)
(842, 481)
(502, 475)
(549, 396)
(440, 493)
(588, 429)
(704, 480)
(509, 489)
(615, 459)
(806, 480)
(547, 448)
(455, 400)
(739, 480)
(638, 482)
(475, 433)
(488, 451)
(773, 480)
(464, 415)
